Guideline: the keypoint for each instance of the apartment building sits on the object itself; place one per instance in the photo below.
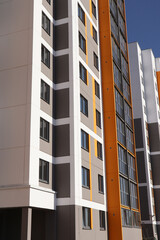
(121, 167)
(52, 174)
(144, 81)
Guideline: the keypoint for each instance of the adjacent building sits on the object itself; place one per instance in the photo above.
(144, 69)
(67, 152)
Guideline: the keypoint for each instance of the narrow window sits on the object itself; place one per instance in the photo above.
(102, 220)
(100, 184)
(43, 171)
(44, 129)
(82, 43)
(83, 73)
(45, 91)
(86, 218)
(85, 177)
(94, 10)
(97, 90)
(45, 56)
(95, 35)
(45, 23)
(99, 150)
(98, 118)
(84, 105)
(81, 14)
(84, 140)
(96, 61)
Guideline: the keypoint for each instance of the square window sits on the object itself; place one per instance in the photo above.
(45, 23)
(99, 150)
(44, 129)
(100, 184)
(97, 90)
(85, 177)
(96, 64)
(43, 171)
(45, 56)
(95, 37)
(83, 73)
(84, 105)
(102, 220)
(86, 218)
(94, 10)
(45, 91)
(82, 43)
(81, 14)
(98, 118)
(84, 140)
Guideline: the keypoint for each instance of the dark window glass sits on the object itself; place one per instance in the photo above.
(117, 77)
(116, 52)
(114, 28)
(44, 129)
(82, 43)
(95, 37)
(85, 177)
(113, 8)
(84, 105)
(81, 14)
(45, 91)
(119, 103)
(84, 140)
(128, 114)
(102, 220)
(43, 171)
(124, 188)
(86, 217)
(45, 23)
(49, 1)
(98, 119)
(45, 56)
(123, 167)
(100, 184)
(130, 143)
(99, 150)
(97, 90)
(132, 168)
(121, 131)
(96, 64)
(83, 73)
(134, 198)
(94, 10)
(126, 217)
(126, 90)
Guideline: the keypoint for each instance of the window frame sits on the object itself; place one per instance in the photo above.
(99, 151)
(44, 52)
(97, 89)
(47, 21)
(42, 173)
(81, 14)
(86, 218)
(95, 35)
(82, 70)
(82, 42)
(44, 86)
(102, 222)
(85, 177)
(98, 119)
(100, 184)
(42, 132)
(84, 136)
(83, 105)
(96, 61)
(94, 10)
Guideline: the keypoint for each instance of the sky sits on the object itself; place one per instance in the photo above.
(143, 23)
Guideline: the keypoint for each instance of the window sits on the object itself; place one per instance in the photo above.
(84, 140)
(128, 114)
(121, 131)
(121, 5)
(49, 1)
(85, 177)
(124, 188)
(124, 67)
(132, 168)
(126, 217)
(95, 57)
(123, 45)
(45, 91)
(129, 137)
(86, 218)
(45, 56)
(100, 184)
(123, 168)
(95, 37)
(43, 171)
(121, 23)
(99, 150)
(83, 73)
(98, 118)
(134, 198)
(97, 90)
(116, 52)
(119, 103)
(84, 105)
(117, 77)
(114, 28)
(82, 43)
(44, 129)
(102, 220)
(94, 9)
(126, 90)
(81, 14)
(113, 8)
(45, 23)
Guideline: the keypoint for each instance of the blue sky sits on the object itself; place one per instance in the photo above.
(143, 23)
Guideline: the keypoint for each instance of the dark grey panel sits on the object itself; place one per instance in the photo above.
(60, 9)
(61, 37)
(154, 138)
(62, 180)
(155, 160)
(61, 103)
(65, 222)
(138, 133)
(157, 203)
(144, 203)
(61, 141)
(141, 167)
(61, 69)
(10, 224)
(147, 231)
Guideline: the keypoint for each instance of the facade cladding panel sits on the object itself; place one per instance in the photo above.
(144, 79)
